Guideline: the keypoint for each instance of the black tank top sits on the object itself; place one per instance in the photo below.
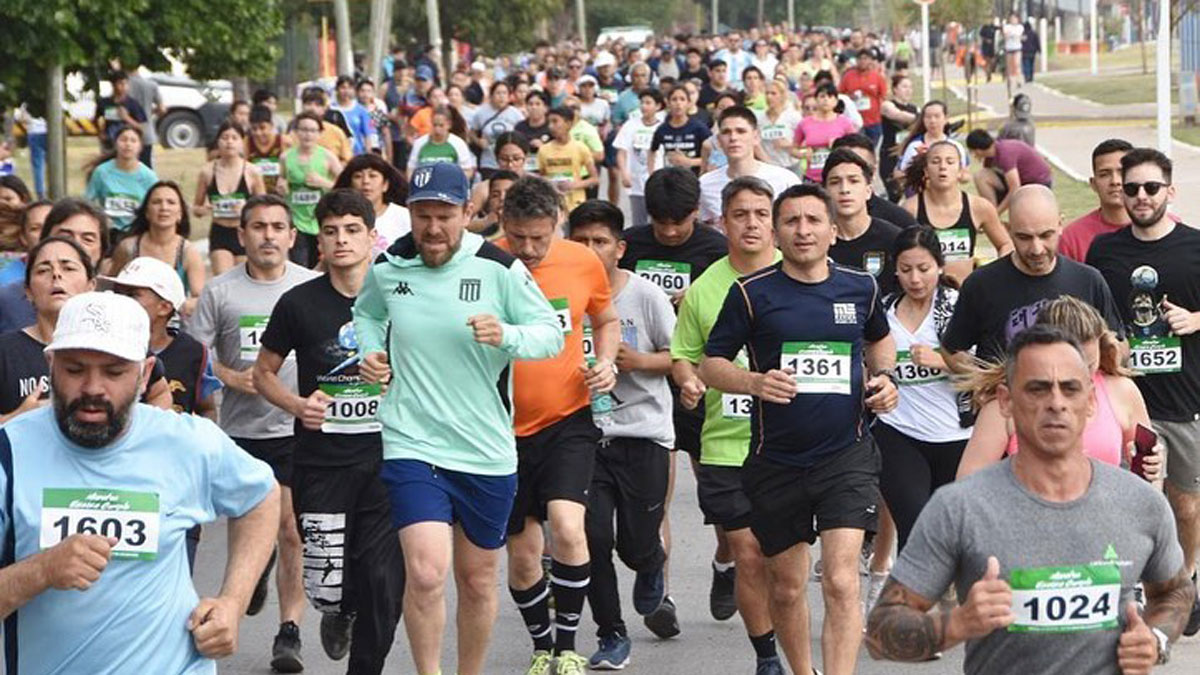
(890, 128)
(958, 240)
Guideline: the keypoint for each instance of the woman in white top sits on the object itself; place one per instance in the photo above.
(929, 128)
(777, 124)
(383, 186)
(444, 143)
(1013, 30)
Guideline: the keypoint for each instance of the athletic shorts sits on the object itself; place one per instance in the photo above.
(610, 152)
(421, 492)
(1182, 440)
(276, 452)
(688, 426)
(790, 504)
(723, 501)
(554, 463)
(221, 238)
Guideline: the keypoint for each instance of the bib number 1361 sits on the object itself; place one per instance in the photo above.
(819, 367)
(129, 517)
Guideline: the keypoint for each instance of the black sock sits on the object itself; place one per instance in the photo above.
(534, 604)
(569, 584)
(764, 645)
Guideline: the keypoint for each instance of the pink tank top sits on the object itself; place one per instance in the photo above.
(1103, 437)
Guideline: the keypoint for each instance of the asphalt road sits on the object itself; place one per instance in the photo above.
(705, 645)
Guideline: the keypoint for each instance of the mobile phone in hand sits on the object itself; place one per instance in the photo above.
(1144, 442)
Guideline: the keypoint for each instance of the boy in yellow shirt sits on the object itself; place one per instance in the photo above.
(565, 161)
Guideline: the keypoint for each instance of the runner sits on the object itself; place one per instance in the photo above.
(492, 119)
(867, 87)
(222, 187)
(118, 182)
(440, 145)
(929, 128)
(372, 177)
(725, 436)
(557, 434)
(680, 137)
(486, 221)
(634, 144)
(813, 468)
(1007, 164)
(1152, 266)
(816, 134)
(306, 170)
(631, 470)
(341, 505)
(380, 134)
(585, 132)
(230, 319)
(121, 465)
(898, 114)
(940, 204)
(332, 137)
(878, 206)
(565, 162)
(777, 125)
(265, 144)
(737, 133)
(459, 311)
(536, 126)
(357, 118)
(33, 218)
(512, 152)
(1007, 574)
(160, 230)
(715, 85)
(1111, 216)
(861, 242)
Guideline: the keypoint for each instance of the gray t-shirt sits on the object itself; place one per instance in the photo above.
(641, 401)
(489, 124)
(230, 318)
(145, 92)
(1121, 522)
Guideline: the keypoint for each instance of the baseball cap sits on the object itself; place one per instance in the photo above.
(103, 322)
(441, 182)
(152, 273)
(586, 79)
(424, 73)
(605, 59)
(480, 66)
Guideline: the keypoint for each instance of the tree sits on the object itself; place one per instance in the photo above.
(494, 26)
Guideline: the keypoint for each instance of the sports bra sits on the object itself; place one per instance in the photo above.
(137, 252)
(958, 240)
(228, 206)
(1103, 438)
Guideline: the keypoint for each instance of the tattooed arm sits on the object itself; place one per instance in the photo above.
(1168, 604)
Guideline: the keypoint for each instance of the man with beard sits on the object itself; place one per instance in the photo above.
(97, 497)
(452, 313)
(230, 319)
(1153, 269)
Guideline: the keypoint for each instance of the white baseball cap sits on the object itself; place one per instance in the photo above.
(605, 59)
(586, 79)
(152, 273)
(103, 322)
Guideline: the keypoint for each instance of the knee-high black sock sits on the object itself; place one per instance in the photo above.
(569, 584)
(534, 604)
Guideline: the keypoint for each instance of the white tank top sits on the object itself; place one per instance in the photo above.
(927, 410)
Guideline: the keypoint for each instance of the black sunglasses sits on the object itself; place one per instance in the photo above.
(1152, 188)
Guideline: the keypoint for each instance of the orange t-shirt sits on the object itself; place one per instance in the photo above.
(421, 122)
(545, 391)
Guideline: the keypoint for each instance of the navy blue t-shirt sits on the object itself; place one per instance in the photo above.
(816, 329)
(686, 139)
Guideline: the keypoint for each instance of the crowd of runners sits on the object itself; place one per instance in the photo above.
(427, 334)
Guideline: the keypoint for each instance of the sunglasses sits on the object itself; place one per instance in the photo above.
(1152, 188)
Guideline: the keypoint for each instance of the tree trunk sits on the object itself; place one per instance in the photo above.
(56, 142)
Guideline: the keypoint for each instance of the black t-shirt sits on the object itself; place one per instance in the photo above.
(185, 361)
(872, 252)
(672, 268)
(998, 301)
(686, 139)
(1140, 274)
(540, 133)
(885, 209)
(314, 321)
(708, 96)
(473, 93)
(697, 74)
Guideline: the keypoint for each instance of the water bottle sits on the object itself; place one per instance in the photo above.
(602, 404)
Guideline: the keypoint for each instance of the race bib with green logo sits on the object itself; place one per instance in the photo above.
(228, 208)
(819, 155)
(589, 345)
(305, 197)
(1156, 354)
(120, 206)
(774, 132)
(353, 408)
(562, 310)
(250, 330)
(129, 517)
(671, 277)
(736, 406)
(1065, 599)
(819, 367)
(642, 139)
(909, 373)
(956, 244)
(269, 168)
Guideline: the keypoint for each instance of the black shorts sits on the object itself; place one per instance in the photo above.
(688, 425)
(791, 505)
(221, 238)
(554, 463)
(723, 501)
(274, 451)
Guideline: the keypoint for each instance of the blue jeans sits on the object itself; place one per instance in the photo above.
(37, 161)
(1027, 66)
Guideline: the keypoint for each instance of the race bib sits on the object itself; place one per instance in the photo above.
(250, 330)
(129, 517)
(774, 133)
(1156, 354)
(819, 155)
(268, 168)
(1065, 599)
(736, 406)
(909, 373)
(589, 345)
(228, 208)
(642, 139)
(671, 277)
(120, 206)
(956, 244)
(819, 367)
(562, 311)
(305, 197)
(353, 408)
(531, 164)
(863, 103)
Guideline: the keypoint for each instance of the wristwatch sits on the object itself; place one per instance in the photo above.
(889, 372)
(1164, 646)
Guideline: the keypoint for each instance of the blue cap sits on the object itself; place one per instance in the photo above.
(440, 182)
(424, 72)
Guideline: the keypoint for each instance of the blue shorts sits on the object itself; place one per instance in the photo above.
(420, 492)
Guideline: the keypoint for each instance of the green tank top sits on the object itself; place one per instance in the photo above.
(301, 197)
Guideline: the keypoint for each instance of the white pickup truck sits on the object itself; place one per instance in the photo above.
(194, 109)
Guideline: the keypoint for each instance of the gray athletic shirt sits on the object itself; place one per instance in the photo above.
(230, 317)
(1121, 520)
(641, 401)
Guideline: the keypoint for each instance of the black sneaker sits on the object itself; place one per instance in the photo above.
(285, 655)
(649, 589)
(662, 621)
(259, 597)
(721, 601)
(1193, 623)
(335, 634)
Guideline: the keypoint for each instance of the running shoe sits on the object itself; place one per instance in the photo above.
(721, 601)
(1193, 623)
(570, 663)
(662, 621)
(649, 589)
(335, 634)
(613, 653)
(285, 655)
(259, 597)
(542, 663)
(769, 666)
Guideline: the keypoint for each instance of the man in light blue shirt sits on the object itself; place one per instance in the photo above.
(97, 493)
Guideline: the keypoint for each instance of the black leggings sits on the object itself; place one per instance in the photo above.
(912, 470)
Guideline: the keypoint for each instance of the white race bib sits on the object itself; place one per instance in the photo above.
(267, 167)
(671, 277)
(1065, 599)
(562, 310)
(305, 197)
(819, 367)
(956, 244)
(353, 409)
(228, 208)
(909, 373)
(120, 206)
(819, 155)
(774, 133)
(250, 330)
(589, 345)
(1156, 354)
(129, 517)
(736, 406)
